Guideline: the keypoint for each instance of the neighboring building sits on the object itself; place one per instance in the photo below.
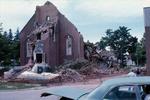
(147, 35)
(130, 62)
(50, 37)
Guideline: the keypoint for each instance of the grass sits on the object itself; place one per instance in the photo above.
(15, 86)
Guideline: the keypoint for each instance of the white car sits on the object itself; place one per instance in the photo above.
(124, 88)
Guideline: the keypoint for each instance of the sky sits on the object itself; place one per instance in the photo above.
(91, 17)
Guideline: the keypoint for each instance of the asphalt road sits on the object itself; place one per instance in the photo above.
(34, 94)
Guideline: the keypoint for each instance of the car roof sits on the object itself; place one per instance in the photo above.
(128, 80)
(107, 85)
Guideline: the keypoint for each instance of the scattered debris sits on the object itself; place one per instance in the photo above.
(77, 64)
(93, 71)
(39, 72)
(72, 71)
(70, 75)
(14, 72)
(28, 75)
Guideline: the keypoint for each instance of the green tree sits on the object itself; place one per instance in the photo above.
(10, 35)
(1, 28)
(16, 46)
(4, 50)
(120, 42)
(140, 54)
(9, 51)
(5, 34)
(16, 37)
(105, 41)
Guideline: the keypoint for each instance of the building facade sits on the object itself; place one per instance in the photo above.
(50, 37)
(147, 35)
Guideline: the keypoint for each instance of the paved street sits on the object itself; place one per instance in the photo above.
(34, 94)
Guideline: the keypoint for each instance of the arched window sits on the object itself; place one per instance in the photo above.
(47, 18)
(69, 45)
(28, 48)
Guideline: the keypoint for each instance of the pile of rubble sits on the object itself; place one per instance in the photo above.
(70, 75)
(85, 70)
(77, 64)
(73, 71)
(93, 71)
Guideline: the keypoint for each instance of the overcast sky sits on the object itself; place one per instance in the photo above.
(91, 17)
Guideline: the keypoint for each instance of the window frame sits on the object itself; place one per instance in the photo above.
(137, 91)
(48, 18)
(67, 47)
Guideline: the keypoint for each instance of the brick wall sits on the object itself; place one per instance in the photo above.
(55, 50)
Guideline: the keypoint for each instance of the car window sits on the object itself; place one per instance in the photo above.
(121, 93)
(145, 92)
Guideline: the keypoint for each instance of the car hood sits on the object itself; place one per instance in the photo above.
(66, 91)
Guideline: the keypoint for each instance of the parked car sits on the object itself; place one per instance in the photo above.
(123, 88)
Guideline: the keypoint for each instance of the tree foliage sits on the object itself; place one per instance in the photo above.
(9, 50)
(121, 42)
(1, 28)
(140, 54)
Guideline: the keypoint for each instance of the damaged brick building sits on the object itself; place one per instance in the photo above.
(50, 37)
